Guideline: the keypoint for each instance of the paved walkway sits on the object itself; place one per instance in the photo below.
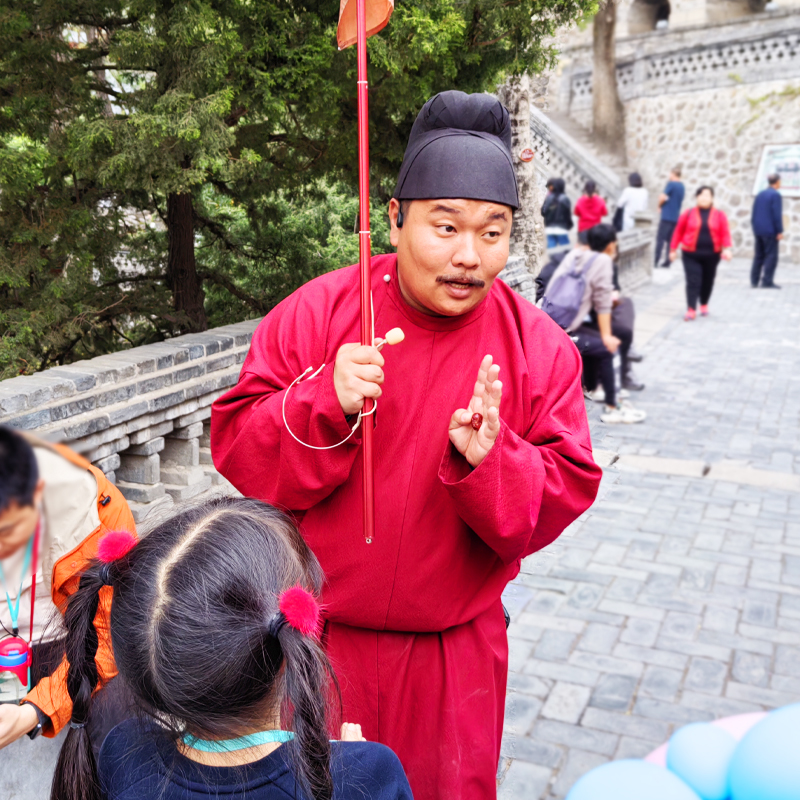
(677, 596)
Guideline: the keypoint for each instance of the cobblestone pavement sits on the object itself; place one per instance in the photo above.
(677, 596)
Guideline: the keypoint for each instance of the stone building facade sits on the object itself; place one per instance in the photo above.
(707, 93)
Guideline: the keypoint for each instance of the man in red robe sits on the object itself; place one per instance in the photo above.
(415, 628)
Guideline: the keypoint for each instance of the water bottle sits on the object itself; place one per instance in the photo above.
(15, 660)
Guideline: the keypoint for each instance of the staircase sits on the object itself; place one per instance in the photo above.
(566, 150)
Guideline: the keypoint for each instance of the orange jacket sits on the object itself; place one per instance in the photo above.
(50, 694)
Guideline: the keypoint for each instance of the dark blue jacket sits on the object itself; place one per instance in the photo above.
(767, 215)
(138, 763)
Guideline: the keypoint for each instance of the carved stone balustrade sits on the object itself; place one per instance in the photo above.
(139, 415)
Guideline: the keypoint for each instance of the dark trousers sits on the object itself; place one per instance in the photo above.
(110, 706)
(597, 361)
(766, 258)
(701, 270)
(665, 230)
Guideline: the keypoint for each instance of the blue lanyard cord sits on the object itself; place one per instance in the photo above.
(243, 742)
(14, 609)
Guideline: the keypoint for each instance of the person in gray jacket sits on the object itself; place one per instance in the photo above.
(591, 328)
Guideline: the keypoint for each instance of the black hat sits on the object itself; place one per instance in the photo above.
(460, 147)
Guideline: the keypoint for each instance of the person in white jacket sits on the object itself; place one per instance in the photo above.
(633, 199)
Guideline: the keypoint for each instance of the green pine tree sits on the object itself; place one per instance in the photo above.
(165, 166)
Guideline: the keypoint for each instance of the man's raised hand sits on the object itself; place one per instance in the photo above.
(358, 373)
(475, 444)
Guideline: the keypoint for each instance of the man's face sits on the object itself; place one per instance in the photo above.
(449, 252)
(18, 523)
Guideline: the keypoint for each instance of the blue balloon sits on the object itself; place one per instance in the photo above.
(630, 779)
(700, 754)
(766, 763)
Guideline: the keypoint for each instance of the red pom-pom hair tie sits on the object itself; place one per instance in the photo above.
(114, 545)
(301, 610)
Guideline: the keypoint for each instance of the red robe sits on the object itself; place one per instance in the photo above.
(414, 623)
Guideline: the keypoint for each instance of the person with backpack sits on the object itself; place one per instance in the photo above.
(579, 297)
(557, 214)
(54, 509)
(216, 629)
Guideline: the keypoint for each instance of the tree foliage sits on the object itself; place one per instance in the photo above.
(165, 166)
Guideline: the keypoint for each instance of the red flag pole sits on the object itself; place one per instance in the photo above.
(364, 256)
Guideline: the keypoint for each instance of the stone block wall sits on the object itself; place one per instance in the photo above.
(718, 136)
(707, 97)
(141, 415)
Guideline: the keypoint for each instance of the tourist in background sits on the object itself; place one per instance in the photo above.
(670, 202)
(591, 328)
(557, 213)
(767, 221)
(704, 237)
(633, 199)
(590, 208)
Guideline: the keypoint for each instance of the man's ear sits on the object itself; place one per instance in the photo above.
(38, 492)
(394, 211)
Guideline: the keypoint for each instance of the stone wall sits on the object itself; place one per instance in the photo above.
(708, 133)
(707, 98)
(140, 415)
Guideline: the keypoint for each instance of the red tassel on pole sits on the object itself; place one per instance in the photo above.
(364, 257)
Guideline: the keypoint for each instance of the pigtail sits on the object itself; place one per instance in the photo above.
(307, 681)
(307, 678)
(75, 775)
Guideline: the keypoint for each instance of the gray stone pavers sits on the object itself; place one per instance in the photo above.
(676, 598)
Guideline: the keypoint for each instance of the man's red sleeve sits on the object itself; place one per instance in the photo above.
(250, 443)
(529, 488)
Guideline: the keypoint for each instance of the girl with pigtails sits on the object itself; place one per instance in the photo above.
(215, 629)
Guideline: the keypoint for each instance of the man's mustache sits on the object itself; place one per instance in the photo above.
(466, 279)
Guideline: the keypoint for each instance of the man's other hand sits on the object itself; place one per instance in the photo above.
(611, 343)
(475, 444)
(779, 236)
(351, 732)
(358, 373)
(16, 721)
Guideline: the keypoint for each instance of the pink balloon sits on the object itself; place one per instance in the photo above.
(737, 726)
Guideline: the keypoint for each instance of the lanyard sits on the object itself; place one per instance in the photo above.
(31, 553)
(242, 742)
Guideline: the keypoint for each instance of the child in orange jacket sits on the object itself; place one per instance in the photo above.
(56, 503)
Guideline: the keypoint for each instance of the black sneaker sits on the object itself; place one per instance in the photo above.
(770, 286)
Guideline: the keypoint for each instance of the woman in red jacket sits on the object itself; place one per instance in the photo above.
(590, 208)
(703, 235)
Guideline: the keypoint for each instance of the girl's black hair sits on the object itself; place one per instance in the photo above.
(702, 189)
(635, 180)
(590, 188)
(194, 637)
(19, 472)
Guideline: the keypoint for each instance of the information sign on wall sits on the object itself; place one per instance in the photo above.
(785, 160)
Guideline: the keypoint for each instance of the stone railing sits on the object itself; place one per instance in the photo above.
(635, 254)
(558, 153)
(140, 415)
(754, 51)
